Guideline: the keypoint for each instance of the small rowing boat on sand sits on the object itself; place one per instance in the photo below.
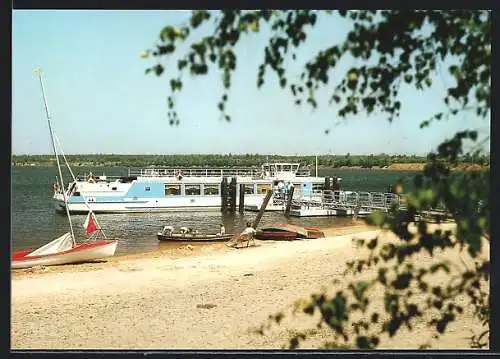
(287, 232)
(193, 237)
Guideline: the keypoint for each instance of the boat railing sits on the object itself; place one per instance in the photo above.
(255, 173)
(97, 178)
(194, 172)
(308, 203)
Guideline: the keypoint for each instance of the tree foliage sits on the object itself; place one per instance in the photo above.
(391, 49)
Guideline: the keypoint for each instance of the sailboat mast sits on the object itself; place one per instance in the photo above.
(47, 113)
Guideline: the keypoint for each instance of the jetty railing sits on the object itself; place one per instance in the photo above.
(367, 201)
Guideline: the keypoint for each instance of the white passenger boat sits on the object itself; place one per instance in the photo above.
(183, 189)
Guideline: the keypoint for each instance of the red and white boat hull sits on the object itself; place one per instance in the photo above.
(80, 253)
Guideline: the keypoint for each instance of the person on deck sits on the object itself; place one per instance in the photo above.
(222, 230)
(91, 178)
(56, 187)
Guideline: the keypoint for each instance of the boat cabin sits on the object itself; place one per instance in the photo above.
(283, 170)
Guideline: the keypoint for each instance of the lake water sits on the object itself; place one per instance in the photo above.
(34, 221)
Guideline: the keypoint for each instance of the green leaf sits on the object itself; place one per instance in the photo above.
(402, 281)
(162, 50)
(453, 70)
(390, 300)
(352, 75)
(309, 309)
(170, 33)
(254, 25)
(372, 244)
(425, 123)
(377, 218)
(158, 70)
(181, 64)
(198, 16)
(362, 342)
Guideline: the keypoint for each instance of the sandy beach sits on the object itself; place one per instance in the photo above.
(196, 297)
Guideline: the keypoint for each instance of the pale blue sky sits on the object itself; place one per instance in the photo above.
(102, 102)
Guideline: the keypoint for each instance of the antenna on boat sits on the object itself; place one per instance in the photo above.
(316, 165)
(38, 71)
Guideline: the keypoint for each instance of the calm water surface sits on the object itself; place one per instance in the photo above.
(35, 222)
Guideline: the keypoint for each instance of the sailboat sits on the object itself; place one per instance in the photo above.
(65, 249)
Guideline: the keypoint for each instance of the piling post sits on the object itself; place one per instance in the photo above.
(335, 184)
(289, 201)
(223, 194)
(242, 198)
(232, 195)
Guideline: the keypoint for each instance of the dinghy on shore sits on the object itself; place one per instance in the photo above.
(65, 249)
(82, 252)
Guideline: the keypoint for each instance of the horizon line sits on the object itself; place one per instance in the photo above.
(223, 154)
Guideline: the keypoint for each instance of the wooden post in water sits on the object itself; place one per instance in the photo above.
(232, 195)
(289, 201)
(262, 208)
(242, 198)
(223, 194)
(327, 184)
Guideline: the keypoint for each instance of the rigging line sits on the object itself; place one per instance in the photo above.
(62, 153)
(74, 181)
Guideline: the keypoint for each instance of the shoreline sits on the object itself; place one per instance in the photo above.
(181, 251)
(212, 299)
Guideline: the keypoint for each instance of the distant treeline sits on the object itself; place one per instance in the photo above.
(230, 160)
